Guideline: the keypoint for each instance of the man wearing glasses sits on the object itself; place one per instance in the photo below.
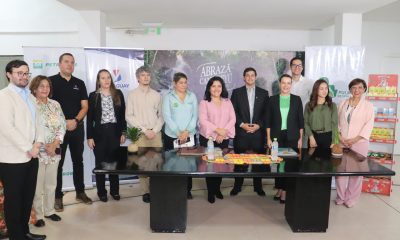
(301, 86)
(19, 147)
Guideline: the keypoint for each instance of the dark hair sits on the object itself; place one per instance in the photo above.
(34, 85)
(14, 64)
(142, 69)
(285, 75)
(64, 54)
(294, 59)
(314, 95)
(207, 93)
(249, 69)
(356, 81)
(178, 76)
(113, 90)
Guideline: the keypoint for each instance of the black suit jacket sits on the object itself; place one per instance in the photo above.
(240, 103)
(93, 118)
(295, 119)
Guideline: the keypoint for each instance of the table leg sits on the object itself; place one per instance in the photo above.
(168, 206)
(307, 203)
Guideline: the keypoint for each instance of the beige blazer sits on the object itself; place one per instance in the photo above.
(17, 132)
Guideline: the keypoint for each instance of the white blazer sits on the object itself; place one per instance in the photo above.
(17, 132)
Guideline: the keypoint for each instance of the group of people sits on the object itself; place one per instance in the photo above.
(37, 126)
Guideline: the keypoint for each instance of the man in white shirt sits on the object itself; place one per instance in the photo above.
(19, 147)
(143, 110)
(301, 86)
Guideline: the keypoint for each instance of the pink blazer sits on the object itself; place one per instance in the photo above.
(361, 124)
(212, 116)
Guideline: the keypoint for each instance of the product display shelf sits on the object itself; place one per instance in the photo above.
(383, 94)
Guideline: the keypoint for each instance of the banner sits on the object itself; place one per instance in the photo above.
(44, 61)
(121, 63)
(336, 64)
(201, 65)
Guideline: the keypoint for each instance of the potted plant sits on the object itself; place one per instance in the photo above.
(337, 149)
(133, 134)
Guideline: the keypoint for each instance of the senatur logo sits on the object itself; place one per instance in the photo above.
(37, 64)
(117, 75)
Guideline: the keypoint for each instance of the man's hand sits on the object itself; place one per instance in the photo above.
(220, 139)
(71, 124)
(150, 134)
(183, 136)
(222, 132)
(90, 143)
(252, 128)
(34, 152)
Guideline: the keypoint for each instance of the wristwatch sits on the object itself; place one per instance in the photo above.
(77, 120)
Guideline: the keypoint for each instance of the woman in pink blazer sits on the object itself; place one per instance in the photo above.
(217, 121)
(356, 120)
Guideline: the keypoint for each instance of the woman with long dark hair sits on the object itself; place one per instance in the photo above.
(320, 116)
(217, 121)
(106, 126)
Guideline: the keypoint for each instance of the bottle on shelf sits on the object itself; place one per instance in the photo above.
(210, 149)
(274, 150)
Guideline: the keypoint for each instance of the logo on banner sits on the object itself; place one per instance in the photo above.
(208, 70)
(37, 64)
(117, 75)
(118, 81)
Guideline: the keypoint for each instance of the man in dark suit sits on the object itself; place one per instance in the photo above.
(250, 104)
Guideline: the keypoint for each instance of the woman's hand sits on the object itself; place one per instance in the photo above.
(221, 131)
(122, 139)
(51, 148)
(300, 143)
(219, 139)
(269, 142)
(90, 143)
(183, 136)
(313, 143)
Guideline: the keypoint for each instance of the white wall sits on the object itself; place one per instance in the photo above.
(213, 39)
(47, 23)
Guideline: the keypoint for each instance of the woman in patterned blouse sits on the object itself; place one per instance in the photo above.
(52, 121)
(106, 127)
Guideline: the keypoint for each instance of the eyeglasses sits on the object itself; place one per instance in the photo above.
(22, 74)
(297, 66)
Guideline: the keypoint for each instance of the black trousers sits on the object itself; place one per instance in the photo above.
(280, 183)
(106, 151)
(73, 139)
(168, 143)
(324, 140)
(19, 182)
(213, 183)
(251, 143)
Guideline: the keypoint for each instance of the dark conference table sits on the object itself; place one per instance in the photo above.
(309, 177)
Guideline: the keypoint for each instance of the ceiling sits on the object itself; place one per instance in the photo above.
(250, 14)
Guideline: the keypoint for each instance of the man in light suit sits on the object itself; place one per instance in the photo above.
(250, 104)
(19, 150)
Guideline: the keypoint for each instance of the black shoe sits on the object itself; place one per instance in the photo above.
(54, 217)
(219, 195)
(82, 197)
(116, 197)
(260, 193)
(103, 198)
(189, 195)
(235, 191)
(40, 223)
(282, 201)
(211, 198)
(277, 198)
(146, 198)
(32, 236)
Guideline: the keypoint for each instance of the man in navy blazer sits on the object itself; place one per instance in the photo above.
(250, 104)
